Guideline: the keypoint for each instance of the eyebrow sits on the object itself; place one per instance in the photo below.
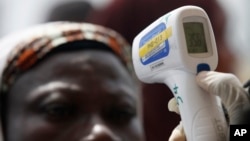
(54, 85)
(126, 94)
(59, 85)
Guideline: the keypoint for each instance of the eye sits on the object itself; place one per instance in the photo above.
(57, 111)
(120, 115)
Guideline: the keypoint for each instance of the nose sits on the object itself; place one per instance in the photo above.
(101, 133)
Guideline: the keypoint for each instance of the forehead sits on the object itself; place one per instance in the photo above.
(93, 62)
(80, 67)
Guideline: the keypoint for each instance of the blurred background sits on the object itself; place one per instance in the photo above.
(19, 14)
(230, 21)
(238, 34)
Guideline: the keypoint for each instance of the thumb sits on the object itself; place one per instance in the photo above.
(224, 85)
(178, 133)
(209, 80)
(173, 106)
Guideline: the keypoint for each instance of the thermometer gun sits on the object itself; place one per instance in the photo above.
(172, 50)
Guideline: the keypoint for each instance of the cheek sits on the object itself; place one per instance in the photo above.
(37, 129)
(134, 131)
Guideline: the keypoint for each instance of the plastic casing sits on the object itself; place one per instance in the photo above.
(160, 57)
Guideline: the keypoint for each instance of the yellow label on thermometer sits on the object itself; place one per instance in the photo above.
(155, 42)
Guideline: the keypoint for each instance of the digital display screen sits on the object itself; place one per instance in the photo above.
(195, 37)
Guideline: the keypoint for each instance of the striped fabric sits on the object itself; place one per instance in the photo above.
(38, 43)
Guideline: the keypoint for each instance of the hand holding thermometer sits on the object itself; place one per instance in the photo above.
(172, 50)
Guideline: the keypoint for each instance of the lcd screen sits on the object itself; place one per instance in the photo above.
(195, 37)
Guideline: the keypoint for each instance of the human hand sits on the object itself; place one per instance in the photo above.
(233, 96)
(178, 132)
(228, 87)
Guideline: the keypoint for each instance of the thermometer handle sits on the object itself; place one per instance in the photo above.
(201, 113)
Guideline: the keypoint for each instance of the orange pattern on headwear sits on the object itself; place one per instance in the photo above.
(73, 35)
(49, 37)
(115, 46)
(27, 59)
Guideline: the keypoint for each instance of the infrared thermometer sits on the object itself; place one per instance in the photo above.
(172, 50)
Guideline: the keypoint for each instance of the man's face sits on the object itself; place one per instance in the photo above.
(77, 96)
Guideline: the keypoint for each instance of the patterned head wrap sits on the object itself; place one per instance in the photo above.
(21, 52)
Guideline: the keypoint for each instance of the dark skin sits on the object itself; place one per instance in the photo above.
(78, 96)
